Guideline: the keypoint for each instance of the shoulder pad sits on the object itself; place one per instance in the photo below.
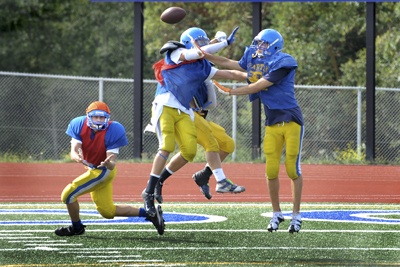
(171, 45)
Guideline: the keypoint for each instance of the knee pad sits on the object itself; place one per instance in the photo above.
(228, 145)
(208, 142)
(189, 155)
(272, 169)
(272, 174)
(188, 150)
(292, 172)
(108, 213)
(66, 197)
(292, 167)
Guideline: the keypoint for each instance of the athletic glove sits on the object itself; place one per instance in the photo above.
(222, 89)
(220, 36)
(231, 37)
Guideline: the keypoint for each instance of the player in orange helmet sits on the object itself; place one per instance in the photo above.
(95, 142)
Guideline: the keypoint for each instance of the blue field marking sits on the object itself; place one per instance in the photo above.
(354, 216)
(170, 217)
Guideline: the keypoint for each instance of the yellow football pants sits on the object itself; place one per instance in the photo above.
(276, 136)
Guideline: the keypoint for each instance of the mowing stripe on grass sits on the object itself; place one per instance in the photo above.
(215, 248)
(380, 206)
(215, 230)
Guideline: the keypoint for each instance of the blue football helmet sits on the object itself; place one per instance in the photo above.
(196, 34)
(267, 43)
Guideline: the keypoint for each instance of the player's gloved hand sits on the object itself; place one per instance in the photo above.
(222, 89)
(231, 37)
(220, 36)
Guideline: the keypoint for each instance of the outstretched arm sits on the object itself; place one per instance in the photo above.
(223, 62)
(230, 75)
(252, 88)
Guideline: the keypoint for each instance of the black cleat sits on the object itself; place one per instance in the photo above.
(69, 231)
(158, 220)
(149, 203)
(158, 192)
(205, 189)
(201, 178)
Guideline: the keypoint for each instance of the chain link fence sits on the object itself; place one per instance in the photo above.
(35, 111)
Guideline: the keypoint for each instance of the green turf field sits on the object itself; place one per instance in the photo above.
(238, 237)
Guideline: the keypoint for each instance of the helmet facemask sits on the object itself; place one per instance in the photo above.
(202, 40)
(264, 48)
(95, 124)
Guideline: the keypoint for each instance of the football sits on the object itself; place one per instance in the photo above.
(173, 15)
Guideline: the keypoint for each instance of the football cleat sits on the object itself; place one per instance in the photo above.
(158, 220)
(69, 231)
(205, 189)
(226, 186)
(276, 219)
(158, 192)
(203, 176)
(295, 224)
(148, 200)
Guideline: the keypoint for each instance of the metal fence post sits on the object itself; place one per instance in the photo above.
(101, 89)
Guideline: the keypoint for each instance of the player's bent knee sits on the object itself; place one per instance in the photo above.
(66, 195)
(188, 156)
(228, 146)
(168, 148)
(106, 213)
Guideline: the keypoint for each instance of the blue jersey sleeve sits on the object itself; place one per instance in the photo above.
(243, 61)
(75, 127)
(115, 136)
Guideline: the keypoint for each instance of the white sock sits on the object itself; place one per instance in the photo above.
(219, 174)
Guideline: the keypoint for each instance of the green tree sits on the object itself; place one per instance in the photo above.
(321, 36)
(73, 37)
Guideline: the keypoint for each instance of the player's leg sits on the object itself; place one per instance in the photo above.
(174, 165)
(206, 137)
(102, 196)
(227, 146)
(83, 184)
(273, 145)
(207, 141)
(165, 130)
(225, 143)
(176, 162)
(294, 139)
(185, 137)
